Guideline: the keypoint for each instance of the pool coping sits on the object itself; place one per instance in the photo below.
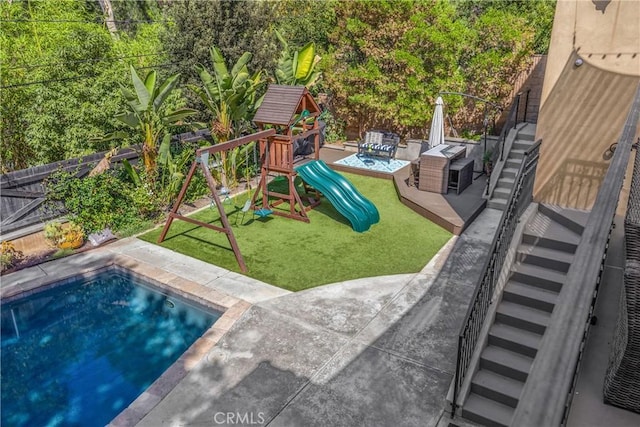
(232, 309)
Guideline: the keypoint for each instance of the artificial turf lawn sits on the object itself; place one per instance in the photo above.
(295, 255)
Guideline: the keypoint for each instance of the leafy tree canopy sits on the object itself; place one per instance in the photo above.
(234, 27)
(59, 79)
(304, 21)
(384, 62)
(390, 60)
(537, 14)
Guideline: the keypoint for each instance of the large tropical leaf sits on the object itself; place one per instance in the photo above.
(294, 67)
(133, 174)
(178, 115)
(141, 90)
(283, 42)
(281, 77)
(228, 95)
(164, 151)
(136, 107)
(219, 67)
(241, 63)
(256, 79)
(306, 57)
(297, 67)
(239, 80)
(165, 90)
(226, 83)
(312, 79)
(209, 83)
(129, 96)
(150, 82)
(258, 102)
(204, 74)
(110, 136)
(204, 96)
(128, 118)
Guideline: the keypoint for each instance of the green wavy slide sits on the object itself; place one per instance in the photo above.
(341, 193)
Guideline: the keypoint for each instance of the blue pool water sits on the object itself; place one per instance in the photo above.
(79, 353)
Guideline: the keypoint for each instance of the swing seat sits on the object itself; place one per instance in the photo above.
(245, 209)
(263, 212)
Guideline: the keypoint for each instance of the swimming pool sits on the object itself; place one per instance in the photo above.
(80, 352)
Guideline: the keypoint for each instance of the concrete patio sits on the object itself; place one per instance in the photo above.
(378, 351)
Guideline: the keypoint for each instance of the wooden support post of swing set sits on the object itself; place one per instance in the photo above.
(202, 156)
(277, 155)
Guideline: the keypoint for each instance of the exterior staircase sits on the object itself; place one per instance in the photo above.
(525, 137)
(536, 278)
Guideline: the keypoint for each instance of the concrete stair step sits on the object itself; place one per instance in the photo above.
(497, 203)
(502, 193)
(486, 411)
(543, 225)
(516, 153)
(507, 363)
(530, 296)
(538, 276)
(497, 387)
(509, 172)
(524, 135)
(513, 163)
(527, 132)
(541, 256)
(523, 317)
(532, 238)
(505, 183)
(522, 144)
(514, 339)
(572, 219)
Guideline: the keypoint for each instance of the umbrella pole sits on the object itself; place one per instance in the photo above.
(485, 124)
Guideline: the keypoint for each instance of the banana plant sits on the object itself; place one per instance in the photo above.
(230, 96)
(297, 68)
(149, 113)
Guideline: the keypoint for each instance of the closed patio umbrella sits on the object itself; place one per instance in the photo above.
(436, 134)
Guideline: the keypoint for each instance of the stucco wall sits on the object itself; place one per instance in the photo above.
(606, 34)
(584, 106)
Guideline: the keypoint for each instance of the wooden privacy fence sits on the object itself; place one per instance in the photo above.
(22, 193)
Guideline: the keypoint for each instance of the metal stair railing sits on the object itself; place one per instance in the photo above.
(560, 352)
(511, 123)
(484, 292)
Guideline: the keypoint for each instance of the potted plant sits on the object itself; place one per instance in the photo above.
(9, 255)
(64, 236)
(487, 161)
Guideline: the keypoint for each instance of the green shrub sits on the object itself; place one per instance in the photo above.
(101, 201)
(62, 236)
(9, 255)
(334, 127)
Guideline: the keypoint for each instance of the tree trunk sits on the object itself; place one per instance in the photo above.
(107, 10)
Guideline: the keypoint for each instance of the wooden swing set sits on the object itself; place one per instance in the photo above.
(284, 110)
(202, 161)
